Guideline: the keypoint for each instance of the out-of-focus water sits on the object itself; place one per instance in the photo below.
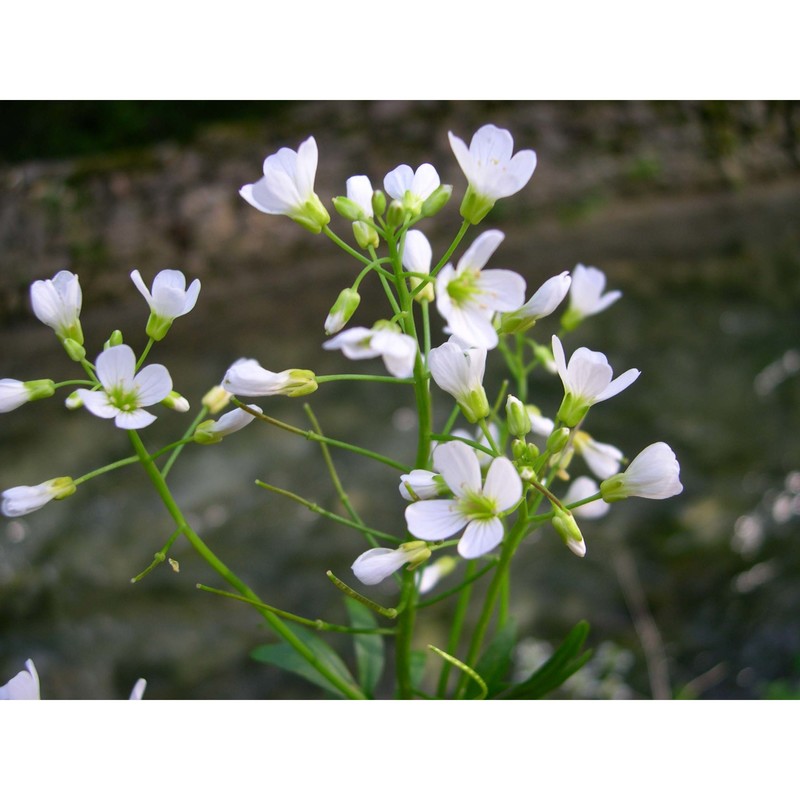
(709, 314)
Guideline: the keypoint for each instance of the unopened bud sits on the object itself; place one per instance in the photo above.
(568, 530)
(39, 390)
(342, 310)
(176, 402)
(73, 401)
(113, 340)
(365, 235)
(348, 208)
(396, 215)
(62, 487)
(557, 440)
(437, 200)
(378, 202)
(74, 349)
(519, 423)
(301, 382)
(216, 399)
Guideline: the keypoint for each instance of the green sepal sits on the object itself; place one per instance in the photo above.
(369, 647)
(565, 662)
(474, 207)
(286, 657)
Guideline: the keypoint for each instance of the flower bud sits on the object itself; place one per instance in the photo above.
(557, 440)
(378, 202)
(519, 423)
(113, 340)
(176, 402)
(342, 310)
(299, 382)
(365, 235)
(396, 215)
(348, 208)
(75, 350)
(437, 200)
(73, 401)
(568, 530)
(215, 399)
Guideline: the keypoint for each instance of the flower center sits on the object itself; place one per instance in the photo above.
(463, 288)
(123, 398)
(477, 506)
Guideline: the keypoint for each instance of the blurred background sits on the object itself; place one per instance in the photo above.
(690, 208)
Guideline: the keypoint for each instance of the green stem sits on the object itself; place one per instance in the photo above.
(405, 631)
(450, 250)
(145, 353)
(346, 247)
(361, 377)
(231, 578)
(455, 630)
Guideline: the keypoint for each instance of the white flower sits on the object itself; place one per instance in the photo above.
(580, 489)
(422, 482)
(14, 393)
(213, 431)
(603, 460)
(459, 372)
(288, 187)
(587, 380)
(21, 500)
(411, 188)
(169, 299)
(378, 563)
(23, 686)
(479, 437)
(417, 257)
(475, 507)
(57, 303)
(247, 377)
(654, 474)
(468, 297)
(125, 394)
(490, 169)
(543, 303)
(398, 350)
(586, 296)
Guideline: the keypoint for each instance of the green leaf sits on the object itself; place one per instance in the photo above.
(493, 666)
(566, 661)
(286, 657)
(369, 647)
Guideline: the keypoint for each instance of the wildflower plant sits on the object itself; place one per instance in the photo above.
(489, 467)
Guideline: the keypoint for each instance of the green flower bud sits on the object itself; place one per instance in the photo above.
(519, 423)
(342, 310)
(396, 215)
(176, 402)
(348, 208)
(113, 340)
(557, 440)
(378, 202)
(62, 487)
(38, 390)
(75, 349)
(568, 530)
(301, 382)
(365, 235)
(437, 200)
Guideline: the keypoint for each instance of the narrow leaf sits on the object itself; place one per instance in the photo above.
(369, 647)
(286, 657)
(494, 665)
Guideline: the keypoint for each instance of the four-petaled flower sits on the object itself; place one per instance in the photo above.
(491, 170)
(653, 474)
(20, 500)
(288, 187)
(587, 380)
(586, 296)
(476, 506)
(125, 392)
(57, 303)
(247, 377)
(468, 296)
(169, 299)
(458, 370)
(398, 350)
(411, 188)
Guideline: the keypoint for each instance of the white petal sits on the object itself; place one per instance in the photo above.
(306, 167)
(139, 283)
(422, 482)
(618, 384)
(503, 484)
(376, 564)
(580, 489)
(417, 252)
(134, 420)
(432, 520)
(462, 154)
(398, 180)
(558, 355)
(425, 182)
(359, 190)
(473, 326)
(23, 686)
(153, 384)
(138, 689)
(115, 366)
(481, 536)
(501, 289)
(481, 250)
(458, 464)
(97, 403)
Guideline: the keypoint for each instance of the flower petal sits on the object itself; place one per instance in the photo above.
(133, 420)
(503, 484)
(115, 366)
(432, 520)
(480, 537)
(458, 464)
(153, 384)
